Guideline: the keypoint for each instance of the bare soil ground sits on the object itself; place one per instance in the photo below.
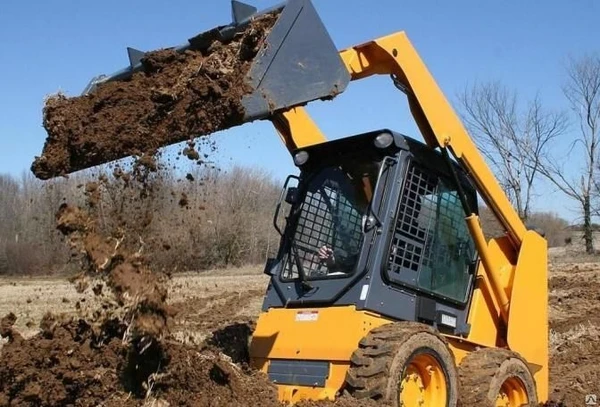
(30, 299)
(219, 308)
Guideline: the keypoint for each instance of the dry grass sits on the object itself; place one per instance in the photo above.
(585, 269)
(30, 300)
(199, 285)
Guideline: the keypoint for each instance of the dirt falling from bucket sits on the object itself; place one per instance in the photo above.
(176, 97)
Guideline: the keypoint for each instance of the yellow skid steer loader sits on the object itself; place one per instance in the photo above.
(384, 285)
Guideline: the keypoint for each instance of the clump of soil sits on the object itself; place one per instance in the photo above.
(6, 326)
(343, 401)
(138, 291)
(66, 363)
(176, 97)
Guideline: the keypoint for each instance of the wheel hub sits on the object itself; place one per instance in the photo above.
(512, 394)
(423, 383)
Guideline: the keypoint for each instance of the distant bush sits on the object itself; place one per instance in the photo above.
(490, 225)
(556, 229)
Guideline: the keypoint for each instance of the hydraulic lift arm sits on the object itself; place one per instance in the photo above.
(394, 55)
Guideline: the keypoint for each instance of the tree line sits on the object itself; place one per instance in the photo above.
(208, 219)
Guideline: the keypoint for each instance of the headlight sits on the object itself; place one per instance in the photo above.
(300, 157)
(383, 140)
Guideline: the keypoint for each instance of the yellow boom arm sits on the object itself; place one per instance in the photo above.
(514, 273)
(394, 55)
(436, 119)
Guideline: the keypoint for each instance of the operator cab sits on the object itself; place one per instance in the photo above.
(376, 221)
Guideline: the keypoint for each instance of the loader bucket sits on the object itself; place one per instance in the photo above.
(295, 63)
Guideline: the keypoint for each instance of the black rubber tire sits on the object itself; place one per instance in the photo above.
(378, 365)
(483, 372)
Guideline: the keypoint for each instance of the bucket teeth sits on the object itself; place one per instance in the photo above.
(241, 11)
(135, 56)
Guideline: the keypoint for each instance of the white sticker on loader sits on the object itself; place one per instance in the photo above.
(307, 316)
(363, 292)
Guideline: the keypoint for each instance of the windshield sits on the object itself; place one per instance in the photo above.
(327, 238)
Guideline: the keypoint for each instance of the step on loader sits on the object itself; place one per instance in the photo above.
(384, 285)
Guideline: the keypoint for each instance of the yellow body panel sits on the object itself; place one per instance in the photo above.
(490, 267)
(484, 313)
(528, 320)
(332, 335)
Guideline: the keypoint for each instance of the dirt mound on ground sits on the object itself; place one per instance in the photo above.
(176, 97)
(71, 363)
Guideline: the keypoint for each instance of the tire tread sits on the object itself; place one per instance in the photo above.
(371, 363)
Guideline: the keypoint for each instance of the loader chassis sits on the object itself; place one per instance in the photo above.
(483, 316)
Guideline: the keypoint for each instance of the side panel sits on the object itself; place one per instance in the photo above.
(297, 336)
(528, 315)
(311, 333)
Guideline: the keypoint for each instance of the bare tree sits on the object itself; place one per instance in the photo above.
(509, 137)
(9, 204)
(582, 90)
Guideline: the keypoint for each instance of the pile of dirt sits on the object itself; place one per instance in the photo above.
(71, 363)
(177, 96)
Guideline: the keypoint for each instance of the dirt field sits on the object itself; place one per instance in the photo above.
(227, 302)
(30, 299)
